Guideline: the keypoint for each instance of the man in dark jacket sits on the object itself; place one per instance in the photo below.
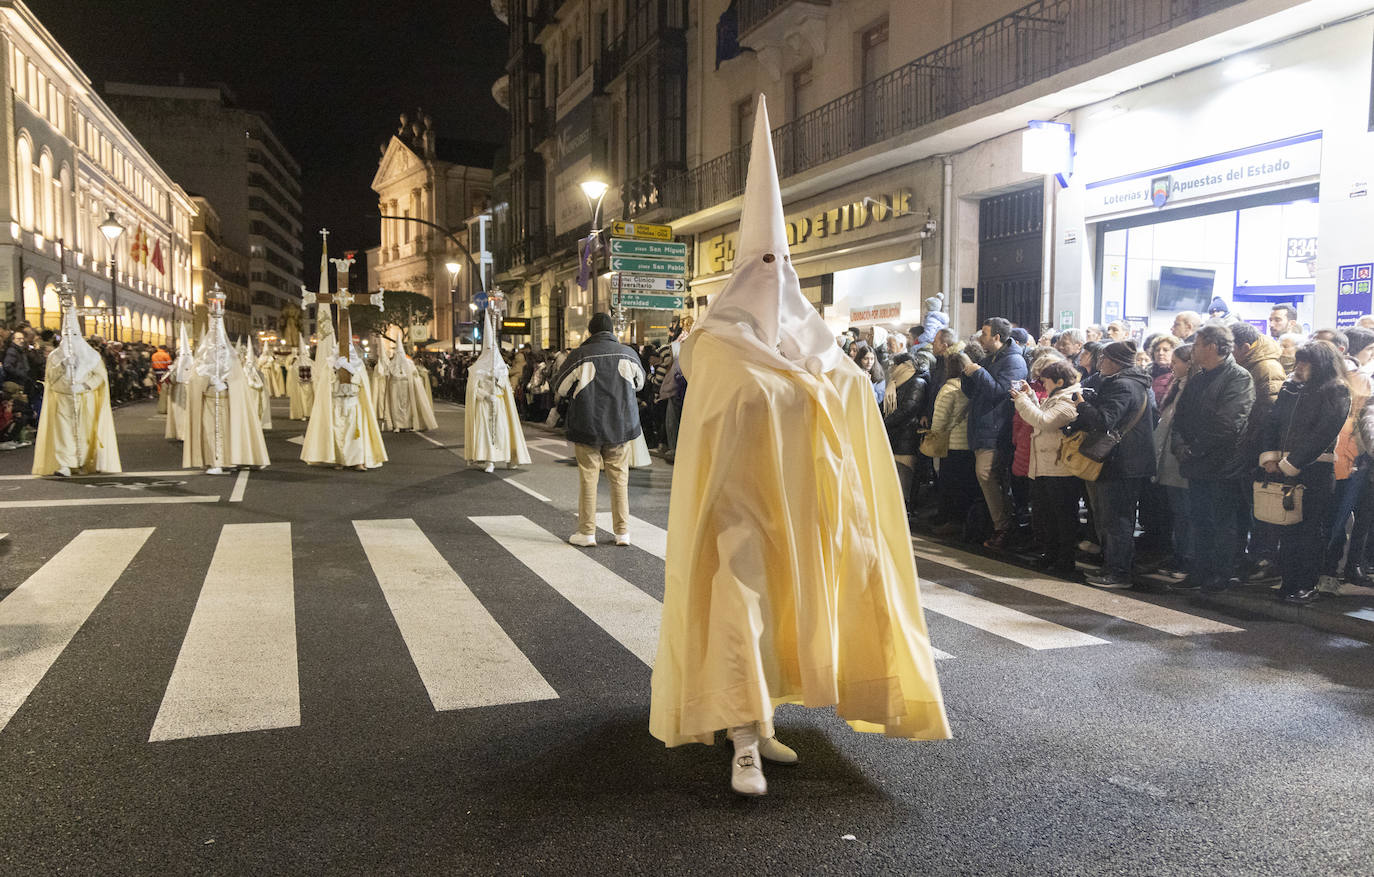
(988, 387)
(16, 358)
(602, 376)
(1211, 419)
(1124, 403)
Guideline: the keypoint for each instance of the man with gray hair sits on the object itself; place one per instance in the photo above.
(1185, 325)
(1071, 342)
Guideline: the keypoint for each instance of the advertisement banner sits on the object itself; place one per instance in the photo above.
(575, 119)
(883, 313)
(1354, 293)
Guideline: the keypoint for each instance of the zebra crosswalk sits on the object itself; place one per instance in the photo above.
(237, 667)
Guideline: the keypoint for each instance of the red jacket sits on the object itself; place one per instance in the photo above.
(1021, 432)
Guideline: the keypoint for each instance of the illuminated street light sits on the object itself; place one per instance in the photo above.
(111, 229)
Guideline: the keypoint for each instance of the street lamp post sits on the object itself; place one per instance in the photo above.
(453, 269)
(594, 191)
(111, 229)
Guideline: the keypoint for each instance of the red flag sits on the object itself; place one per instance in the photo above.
(157, 257)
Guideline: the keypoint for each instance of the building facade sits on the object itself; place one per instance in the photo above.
(900, 132)
(231, 156)
(215, 262)
(70, 164)
(439, 182)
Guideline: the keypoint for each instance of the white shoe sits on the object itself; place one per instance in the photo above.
(64, 471)
(214, 470)
(746, 773)
(9, 446)
(622, 538)
(491, 467)
(774, 750)
(581, 540)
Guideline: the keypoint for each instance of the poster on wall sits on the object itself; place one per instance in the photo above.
(1354, 293)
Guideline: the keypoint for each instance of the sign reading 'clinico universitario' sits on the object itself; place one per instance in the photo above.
(827, 224)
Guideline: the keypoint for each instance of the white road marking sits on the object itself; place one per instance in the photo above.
(1106, 602)
(464, 657)
(297, 440)
(237, 667)
(40, 617)
(240, 485)
(103, 500)
(435, 442)
(535, 446)
(1003, 621)
(642, 534)
(517, 485)
(941, 656)
(625, 612)
(58, 479)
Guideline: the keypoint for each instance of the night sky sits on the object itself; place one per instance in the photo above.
(333, 76)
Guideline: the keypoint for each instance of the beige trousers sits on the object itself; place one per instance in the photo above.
(992, 488)
(615, 459)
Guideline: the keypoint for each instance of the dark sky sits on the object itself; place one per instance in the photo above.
(334, 76)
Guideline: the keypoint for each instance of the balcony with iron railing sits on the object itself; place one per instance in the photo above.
(753, 13)
(1037, 41)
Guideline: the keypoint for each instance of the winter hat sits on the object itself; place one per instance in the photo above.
(1122, 352)
(1218, 304)
(934, 320)
(1020, 336)
(600, 322)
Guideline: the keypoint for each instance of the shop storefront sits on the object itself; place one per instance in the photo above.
(858, 250)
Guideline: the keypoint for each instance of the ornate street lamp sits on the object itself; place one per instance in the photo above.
(453, 267)
(111, 229)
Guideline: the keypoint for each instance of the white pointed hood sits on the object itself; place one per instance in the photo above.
(489, 362)
(384, 355)
(80, 357)
(402, 366)
(215, 356)
(184, 367)
(762, 306)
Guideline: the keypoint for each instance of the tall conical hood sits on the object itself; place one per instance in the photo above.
(490, 361)
(183, 369)
(80, 357)
(402, 366)
(762, 305)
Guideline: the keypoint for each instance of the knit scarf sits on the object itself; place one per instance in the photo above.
(900, 375)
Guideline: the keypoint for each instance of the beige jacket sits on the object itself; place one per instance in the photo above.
(951, 413)
(1046, 419)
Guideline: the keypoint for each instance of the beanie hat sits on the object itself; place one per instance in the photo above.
(1020, 336)
(1218, 304)
(600, 322)
(1123, 352)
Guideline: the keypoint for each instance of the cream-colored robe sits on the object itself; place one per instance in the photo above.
(241, 442)
(343, 429)
(491, 423)
(300, 394)
(258, 392)
(790, 577)
(408, 406)
(177, 394)
(76, 425)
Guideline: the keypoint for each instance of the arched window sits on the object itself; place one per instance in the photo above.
(23, 167)
(30, 296)
(48, 223)
(52, 308)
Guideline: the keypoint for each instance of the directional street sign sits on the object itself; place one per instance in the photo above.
(646, 283)
(659, 267)
(647, 301)
(666, 250)
(641, 230)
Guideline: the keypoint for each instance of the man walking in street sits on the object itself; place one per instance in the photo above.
(602, 377)
(1207, 439)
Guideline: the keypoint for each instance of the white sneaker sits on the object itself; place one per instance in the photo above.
(64, 471)
(622, 538)
(214, 470)
(9, 446)
(581, 540)
(491, 467)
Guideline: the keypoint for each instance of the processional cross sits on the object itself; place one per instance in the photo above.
(343, 298)
(66, 300)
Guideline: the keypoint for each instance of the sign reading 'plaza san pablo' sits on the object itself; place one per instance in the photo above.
(1255, 167)
(659, 267)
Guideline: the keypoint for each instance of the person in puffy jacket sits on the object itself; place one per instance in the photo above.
(902, 404)
(1300, 448)
(1054, 489)
(957, 484)
(1168, 480)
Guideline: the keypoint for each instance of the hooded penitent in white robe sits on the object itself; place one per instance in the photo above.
(76, 426)
(789, 573)
(257, 385)
(178, 386)
(271, 374)
(223, 428)
(491, 423)
(300, 389)
(408, 405)
(343, 428)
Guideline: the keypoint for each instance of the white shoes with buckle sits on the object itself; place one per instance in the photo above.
(746, 772)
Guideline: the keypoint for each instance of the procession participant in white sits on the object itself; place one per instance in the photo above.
(409, 406)
(491, 426)
(76, 426)
(789, 573)
(178, 386)
(343, 428)
(300, 390)
(271, 374)
(380, 374)
(223, 429)
(257, 384)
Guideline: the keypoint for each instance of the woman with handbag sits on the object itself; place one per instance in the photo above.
(1300, 439)
(947, 441)
(1054, 490)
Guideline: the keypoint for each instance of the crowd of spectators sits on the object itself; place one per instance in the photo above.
(1195, 418)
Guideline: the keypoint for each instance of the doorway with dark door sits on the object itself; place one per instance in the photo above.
(1011, 231)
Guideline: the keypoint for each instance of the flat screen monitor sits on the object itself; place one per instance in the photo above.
(1185, 289)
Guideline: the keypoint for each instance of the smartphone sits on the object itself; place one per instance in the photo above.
(1019, 386)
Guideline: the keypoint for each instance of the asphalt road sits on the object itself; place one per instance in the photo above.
(262, 677)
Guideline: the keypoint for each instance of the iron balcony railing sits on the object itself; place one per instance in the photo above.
(1037, 41)
(753, 13)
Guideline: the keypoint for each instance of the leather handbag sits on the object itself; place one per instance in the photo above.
(1277, 503)
(935, 444)
(1079, 464)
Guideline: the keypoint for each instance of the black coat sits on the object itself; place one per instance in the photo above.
(1305, 423)
(1119, 398)
(1212, 413)
(901, 423)
(606, 410)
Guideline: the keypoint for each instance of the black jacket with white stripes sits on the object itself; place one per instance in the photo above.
(602, 376)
